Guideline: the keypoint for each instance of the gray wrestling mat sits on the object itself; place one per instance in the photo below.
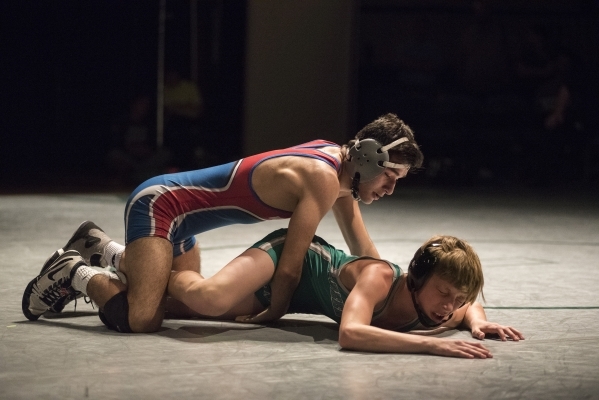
(540, 256)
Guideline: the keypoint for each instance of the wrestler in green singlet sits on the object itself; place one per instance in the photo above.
(320, 290)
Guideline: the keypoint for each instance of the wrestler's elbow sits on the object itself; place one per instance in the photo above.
(349, 337)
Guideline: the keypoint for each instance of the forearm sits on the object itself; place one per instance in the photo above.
(367, 249)
(475, 312)
(370, 338)
(475, 320)
(362, 337)
(300, 232)
(361, 244)
(352, 227)
(283, 284)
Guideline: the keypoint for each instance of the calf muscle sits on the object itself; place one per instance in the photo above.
(149, 262)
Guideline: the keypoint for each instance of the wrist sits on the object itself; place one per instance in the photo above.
(426, 345)
(473, 322)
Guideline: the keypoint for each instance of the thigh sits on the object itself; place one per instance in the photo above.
(241, 277)
(233, 285)
(178, 310)
(149, 262)
(188, 261)
(250, 305)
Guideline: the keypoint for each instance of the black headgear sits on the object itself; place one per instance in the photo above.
(421, 267)
(420, 270)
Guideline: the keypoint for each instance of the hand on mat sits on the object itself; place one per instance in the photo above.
(267, 315)
(480, 328)
(281, 292)
(458, 348)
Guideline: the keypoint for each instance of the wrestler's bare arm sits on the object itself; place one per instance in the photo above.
(475, 320)
(319, 190)
(356, 333)
(349, 218)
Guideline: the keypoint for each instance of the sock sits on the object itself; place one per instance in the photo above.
(82, 277)
(112, 253)
(84, 274)
(121, 276)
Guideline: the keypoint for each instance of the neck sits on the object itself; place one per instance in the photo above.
(400, 311)
(345, 181)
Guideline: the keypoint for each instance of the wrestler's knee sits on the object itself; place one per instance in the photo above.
(146, 324)
(119, 316)
(145, 318)
(115, 313)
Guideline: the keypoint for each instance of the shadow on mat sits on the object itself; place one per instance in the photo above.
(283, 331)
(69, 314)
(211, 331)
(58, 322)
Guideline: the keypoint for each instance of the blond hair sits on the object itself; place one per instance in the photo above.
(458, 264)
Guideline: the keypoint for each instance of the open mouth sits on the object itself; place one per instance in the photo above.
(438, 317)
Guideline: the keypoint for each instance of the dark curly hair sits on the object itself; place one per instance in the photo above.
(387, 129)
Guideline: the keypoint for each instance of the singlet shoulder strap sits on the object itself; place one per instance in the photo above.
(316, 144)
(396, 274)
(312, 149)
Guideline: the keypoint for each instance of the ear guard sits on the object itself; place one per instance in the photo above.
(420, 269)
(369, 158)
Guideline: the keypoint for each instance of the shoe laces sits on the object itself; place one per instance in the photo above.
(88, 300)
(55, 292)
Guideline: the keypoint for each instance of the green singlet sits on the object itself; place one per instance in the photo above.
(320, 290)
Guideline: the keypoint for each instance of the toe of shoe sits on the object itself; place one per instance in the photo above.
(26, 303)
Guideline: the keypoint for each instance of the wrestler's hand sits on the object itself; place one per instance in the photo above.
(458, 348)
(282, 286)
(480, 328)
(273, 312)
(267, 315)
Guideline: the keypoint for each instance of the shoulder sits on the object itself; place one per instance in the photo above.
(371, 282)
(319, 143)
(377, 268)
(371, 272)
(317, 175)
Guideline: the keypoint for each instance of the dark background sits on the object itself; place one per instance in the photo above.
(70, 69)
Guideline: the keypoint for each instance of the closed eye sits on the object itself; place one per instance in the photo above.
(396, 178)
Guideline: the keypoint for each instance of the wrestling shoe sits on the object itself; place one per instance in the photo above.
(52, 288)
(90, 241)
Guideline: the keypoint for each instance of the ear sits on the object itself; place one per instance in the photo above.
(421, 267)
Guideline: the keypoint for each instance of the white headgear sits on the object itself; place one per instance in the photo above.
(369, 158)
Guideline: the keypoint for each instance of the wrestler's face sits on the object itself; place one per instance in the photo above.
(438, 299)
(382, 185)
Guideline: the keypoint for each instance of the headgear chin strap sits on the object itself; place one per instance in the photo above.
(422, 317)
(368, 159)
(420, 270)
(355, 193)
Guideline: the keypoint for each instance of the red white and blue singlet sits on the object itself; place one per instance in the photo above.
(178, 206)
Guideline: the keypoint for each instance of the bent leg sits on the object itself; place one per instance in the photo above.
(229, 287)
(149, 261)
(101, 288)
(189, 261)
(247, 306)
